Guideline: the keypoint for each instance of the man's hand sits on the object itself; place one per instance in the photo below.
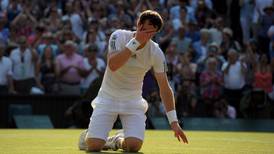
(178, 132)
(142, 36)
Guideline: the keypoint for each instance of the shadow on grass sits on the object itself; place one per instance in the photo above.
(109, 152)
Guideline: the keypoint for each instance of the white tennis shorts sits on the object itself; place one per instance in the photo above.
(106, 111)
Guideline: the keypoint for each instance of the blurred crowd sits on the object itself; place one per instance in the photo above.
(220, 54)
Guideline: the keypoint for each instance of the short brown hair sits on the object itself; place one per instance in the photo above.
(153, 17)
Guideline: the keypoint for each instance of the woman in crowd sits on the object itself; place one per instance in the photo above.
(46, 69)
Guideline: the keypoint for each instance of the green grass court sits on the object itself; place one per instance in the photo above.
(64, 141)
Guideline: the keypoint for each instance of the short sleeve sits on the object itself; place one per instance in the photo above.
(116, 41)
(159, 64)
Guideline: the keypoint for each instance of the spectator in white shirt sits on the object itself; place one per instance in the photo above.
(234, 79)
(24, 60)
(6, 84)
(94, 65)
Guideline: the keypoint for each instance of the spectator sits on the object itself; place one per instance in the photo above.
(182, 21)
(75, 20)
(55, 22)
(228, 42)
(181, 41)
(192, 32)
(200, 47)
(223, 110)
(92, 37)
(263, 75)
(36, 37)
(13, 9)
(165, 36)
(47, 40)
(265, 23)
(211, 82)
(24, 22)
(187, 96)
(6, 83)
(202, 14)
(213, 51)
(234, 79)
(156, 107)
(172, 61)
(175, 10)
(94, 65)
(259, 9)
(24, 60)
(46, 69)
(70, 69)
(216, 31)
(271, 49)
(247, 6)
(4, 31)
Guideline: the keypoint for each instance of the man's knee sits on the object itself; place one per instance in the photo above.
(94, 144)
(133, 144)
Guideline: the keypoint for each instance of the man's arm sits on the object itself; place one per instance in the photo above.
(167, 97)
(118, 58)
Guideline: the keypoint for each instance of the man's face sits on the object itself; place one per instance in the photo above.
(146, 26)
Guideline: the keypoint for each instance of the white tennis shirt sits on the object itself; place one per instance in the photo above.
(126, 82)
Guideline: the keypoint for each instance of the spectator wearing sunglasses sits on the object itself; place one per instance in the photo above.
(24, 59)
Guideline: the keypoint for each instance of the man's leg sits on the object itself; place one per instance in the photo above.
(101, 123)
(95, 144)
(134, 129)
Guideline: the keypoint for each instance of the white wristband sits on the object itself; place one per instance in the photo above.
(132, 45)
(171, 116)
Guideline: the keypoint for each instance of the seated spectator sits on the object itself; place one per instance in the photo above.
(46, 68)
(70, 69)
(24, 60)
(223, 110)
(234, 72)
(211, 82)
(94, 65)
(156, 107)
(6, 83)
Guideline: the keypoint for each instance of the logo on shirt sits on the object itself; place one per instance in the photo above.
(112, 42)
